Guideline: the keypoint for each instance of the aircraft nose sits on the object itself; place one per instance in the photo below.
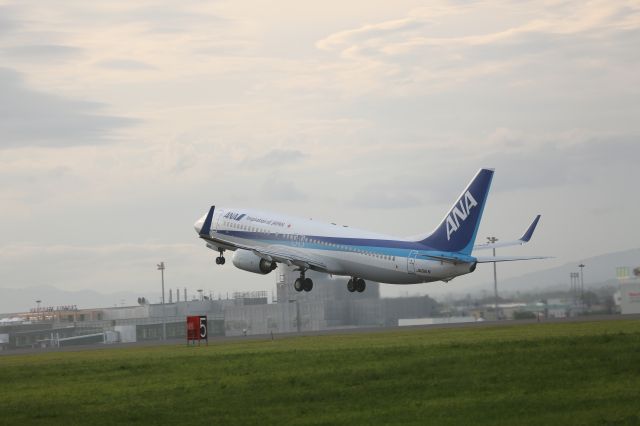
(198, 224)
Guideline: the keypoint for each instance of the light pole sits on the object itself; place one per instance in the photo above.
(493, 240)
(581, 266)
(574, 286)
(164, 322)
(38, 309)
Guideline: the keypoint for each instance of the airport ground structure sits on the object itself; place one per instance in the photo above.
(629, 293)
(329, 306)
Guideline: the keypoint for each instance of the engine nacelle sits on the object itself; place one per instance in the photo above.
(248, 261)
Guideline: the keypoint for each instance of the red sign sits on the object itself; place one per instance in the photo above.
(197, 328)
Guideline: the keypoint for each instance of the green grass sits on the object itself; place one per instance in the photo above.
(560, 373)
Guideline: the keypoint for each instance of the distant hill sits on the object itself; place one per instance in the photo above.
(22, 299)
(598, 270)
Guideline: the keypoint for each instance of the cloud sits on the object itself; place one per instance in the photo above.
(41, 52)
(371, 35)
(172, 17)
(398, 113)
(125, 64)
(32, 118)
(405, 35)
(420, 54)
(378, 197)
(7, 23)
(276, 158)
(561, 160)
(277, 188)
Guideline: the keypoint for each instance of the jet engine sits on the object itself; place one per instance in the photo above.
(248, 261)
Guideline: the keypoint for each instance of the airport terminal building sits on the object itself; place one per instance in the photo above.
(328, 306)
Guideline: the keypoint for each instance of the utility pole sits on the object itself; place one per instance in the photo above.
(493, 240)
(164, 321)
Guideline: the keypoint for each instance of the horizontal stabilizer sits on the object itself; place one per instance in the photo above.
(453, 258)
(491, 259)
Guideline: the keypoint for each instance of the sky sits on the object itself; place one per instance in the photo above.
(122, 122)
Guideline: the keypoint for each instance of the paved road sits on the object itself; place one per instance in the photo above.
(222, 339)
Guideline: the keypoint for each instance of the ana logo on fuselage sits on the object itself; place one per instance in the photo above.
(234, 216)
(459, 213)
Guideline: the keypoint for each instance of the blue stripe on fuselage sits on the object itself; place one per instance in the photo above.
(384, 247)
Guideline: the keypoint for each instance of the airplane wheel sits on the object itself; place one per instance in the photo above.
(217, 260)
(351, 286)
(222, 260)
(298, 284)
(308, 284)
(360, 285)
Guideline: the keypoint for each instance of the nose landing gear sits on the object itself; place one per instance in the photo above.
(220, 260)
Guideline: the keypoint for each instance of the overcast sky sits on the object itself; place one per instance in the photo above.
(122, 122)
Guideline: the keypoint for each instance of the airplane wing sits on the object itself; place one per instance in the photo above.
(290, 257)
(523, 240)
(275, 252)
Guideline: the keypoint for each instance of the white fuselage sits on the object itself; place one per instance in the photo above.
(343, 250)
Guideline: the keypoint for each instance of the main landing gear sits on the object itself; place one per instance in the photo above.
(356, 284)
(220, 259)
(303, 283)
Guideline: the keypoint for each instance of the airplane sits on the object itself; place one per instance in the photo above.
(261, 240)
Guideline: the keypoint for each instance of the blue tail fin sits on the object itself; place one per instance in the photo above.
(457, 231)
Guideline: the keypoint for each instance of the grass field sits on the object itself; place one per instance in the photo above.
(560, 373)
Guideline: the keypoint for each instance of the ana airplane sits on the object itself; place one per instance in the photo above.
(261, 240)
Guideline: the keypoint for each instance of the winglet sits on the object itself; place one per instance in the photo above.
(527, 235)
(206, 226)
